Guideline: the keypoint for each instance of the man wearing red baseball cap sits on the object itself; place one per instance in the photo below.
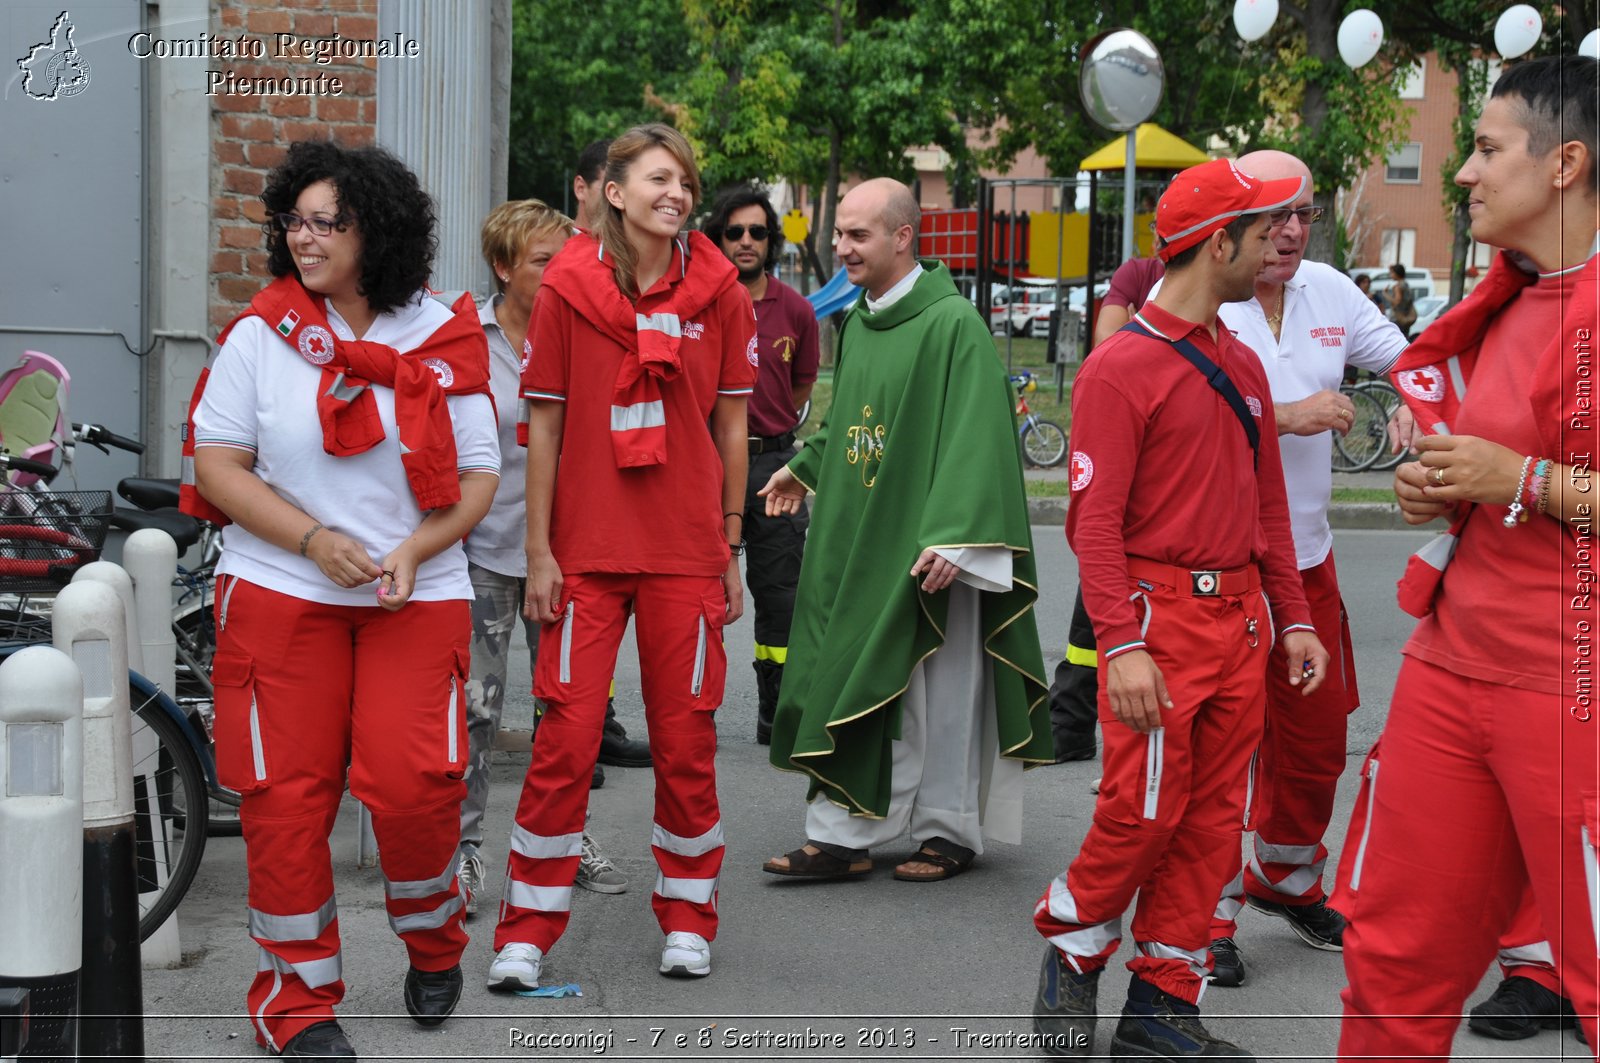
(1181, 529)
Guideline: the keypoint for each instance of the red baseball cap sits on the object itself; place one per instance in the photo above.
(1205, 198)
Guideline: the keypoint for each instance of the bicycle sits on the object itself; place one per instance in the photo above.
(1366, 444)
(193, 627)
(46, 536)
(1044, 443)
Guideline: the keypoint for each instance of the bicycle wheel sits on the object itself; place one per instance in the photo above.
(1368, 437)
(1044, 443)
(170, 806)
(195, 634)
(1389, 399)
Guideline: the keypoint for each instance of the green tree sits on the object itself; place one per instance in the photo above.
(1461, 35)
(583, 70)
(814, 90)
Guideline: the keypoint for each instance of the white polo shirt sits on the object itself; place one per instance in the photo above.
(261, 397)
(1327, 325)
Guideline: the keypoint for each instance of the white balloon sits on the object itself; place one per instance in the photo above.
(1517, 30)
(1253, 18)
(1360, 36)
(1591, 45)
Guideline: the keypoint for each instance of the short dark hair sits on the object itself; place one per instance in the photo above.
(1235, 230)
(380, 196)
(1398, 271)
(1363, 277)
(592, 160)
(737, 198)
(1560, 98)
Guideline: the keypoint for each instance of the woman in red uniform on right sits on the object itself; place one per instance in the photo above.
(1491, 752)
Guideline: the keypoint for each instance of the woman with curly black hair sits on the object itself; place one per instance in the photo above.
(346, 418)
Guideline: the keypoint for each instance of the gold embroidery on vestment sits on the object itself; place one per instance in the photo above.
(866, 446)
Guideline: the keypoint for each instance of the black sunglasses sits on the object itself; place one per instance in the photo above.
(1307, 216)
(736, 232)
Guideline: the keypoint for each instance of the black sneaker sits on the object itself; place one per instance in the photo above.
(598, 778)
(1316, 924)
(1155, 1024)
(1519, 1008)
(617, 748)
(1064, 1008)
(323, 1041)
(1227, 965)
(432, 995)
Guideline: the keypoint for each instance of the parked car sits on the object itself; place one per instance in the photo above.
(1428, 311)
(1419, 280)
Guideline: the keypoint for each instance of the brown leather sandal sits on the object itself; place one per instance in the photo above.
(949, 858)
(819, 866)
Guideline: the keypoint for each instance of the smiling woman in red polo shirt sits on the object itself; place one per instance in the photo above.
(641, 337)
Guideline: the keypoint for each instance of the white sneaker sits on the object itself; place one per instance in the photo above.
(516, 967)
(470, 874)
(686, 955)
(596, 872)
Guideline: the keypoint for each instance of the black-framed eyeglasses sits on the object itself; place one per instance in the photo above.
(736, 232)
(291, 223)
(1307, 216)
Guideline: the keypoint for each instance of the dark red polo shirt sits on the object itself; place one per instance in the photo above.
(786, 339)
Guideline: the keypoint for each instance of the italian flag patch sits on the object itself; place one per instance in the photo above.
(290, 320)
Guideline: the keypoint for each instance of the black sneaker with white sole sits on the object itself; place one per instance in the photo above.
(1518, 1009)
(1227, 964)
(1316, 924)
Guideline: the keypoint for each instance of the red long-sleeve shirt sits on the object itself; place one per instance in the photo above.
(1161, 469)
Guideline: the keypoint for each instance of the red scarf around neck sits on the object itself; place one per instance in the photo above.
(452, 361)
(651, 330)
(1434, 372)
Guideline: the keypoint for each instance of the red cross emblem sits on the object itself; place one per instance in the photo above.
(1426, 383)
(1082, 468)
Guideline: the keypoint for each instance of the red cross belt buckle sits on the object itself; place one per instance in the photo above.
(1204, 582)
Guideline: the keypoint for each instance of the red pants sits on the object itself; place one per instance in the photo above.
(1483, 789)
(678, 625)
(1298, 766)
(302, 691)
(1167, 822)
(1524, 950)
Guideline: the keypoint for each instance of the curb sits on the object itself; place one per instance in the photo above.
(1345, 516)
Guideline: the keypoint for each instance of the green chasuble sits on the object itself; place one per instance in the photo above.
(919, 450)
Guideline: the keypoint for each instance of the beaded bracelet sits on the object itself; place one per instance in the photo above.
(1514, 514)
(1541, 470)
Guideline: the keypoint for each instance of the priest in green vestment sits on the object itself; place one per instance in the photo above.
(914, 689)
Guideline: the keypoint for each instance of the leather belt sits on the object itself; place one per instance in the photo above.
(768, 444)
(1197, 582)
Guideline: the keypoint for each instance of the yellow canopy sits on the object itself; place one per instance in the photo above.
(1154, 149)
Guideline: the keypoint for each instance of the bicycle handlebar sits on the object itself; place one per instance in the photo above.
(102, 437)
(38, 468)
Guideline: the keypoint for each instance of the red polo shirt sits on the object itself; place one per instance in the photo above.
(1161, 469)
(786, 337)
(664, 519)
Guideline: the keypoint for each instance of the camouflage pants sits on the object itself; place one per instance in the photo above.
(496, 610)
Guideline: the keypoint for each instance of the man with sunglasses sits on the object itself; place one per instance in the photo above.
(1307, 323)
(745, 227)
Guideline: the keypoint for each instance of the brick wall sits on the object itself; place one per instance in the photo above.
(1417, 206)
(250, 132)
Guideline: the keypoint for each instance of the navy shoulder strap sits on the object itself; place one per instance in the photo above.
(1218, 379)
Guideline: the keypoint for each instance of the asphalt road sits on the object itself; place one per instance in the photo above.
(897, 970)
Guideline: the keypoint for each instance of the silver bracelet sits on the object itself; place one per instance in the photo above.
(1514, 514)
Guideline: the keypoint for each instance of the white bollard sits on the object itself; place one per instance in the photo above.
(41, 849)
(89, 627)
(117, 578)
(163, 948)
(151, 558)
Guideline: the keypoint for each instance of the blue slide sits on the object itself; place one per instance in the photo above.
(838, 294)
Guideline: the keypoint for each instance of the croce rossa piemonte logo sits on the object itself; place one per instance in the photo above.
(54, 69)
